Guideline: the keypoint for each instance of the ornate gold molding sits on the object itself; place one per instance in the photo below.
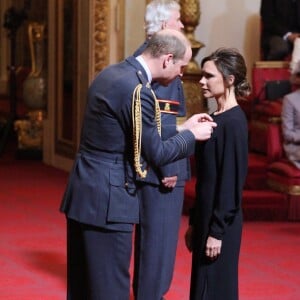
(271, 64)
(101, 27)
(195, 103)
(190, 17)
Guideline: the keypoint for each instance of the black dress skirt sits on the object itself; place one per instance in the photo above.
(221, 164)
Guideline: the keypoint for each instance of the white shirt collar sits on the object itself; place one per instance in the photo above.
(144, 65)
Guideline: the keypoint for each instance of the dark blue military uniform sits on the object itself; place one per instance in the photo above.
(100, 201)
(160, 208)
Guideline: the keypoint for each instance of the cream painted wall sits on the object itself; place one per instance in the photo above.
(134, 28)
(233, 23)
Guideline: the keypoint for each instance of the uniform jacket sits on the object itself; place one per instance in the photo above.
(291, 126)
(174, 91)
(101, 190)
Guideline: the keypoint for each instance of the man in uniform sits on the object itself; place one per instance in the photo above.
(120, 141)
(162, 193)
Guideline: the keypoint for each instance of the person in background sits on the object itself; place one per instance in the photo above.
(162, 193)
(120, 141)
(214, 233)
(280, 21)
(290, 117)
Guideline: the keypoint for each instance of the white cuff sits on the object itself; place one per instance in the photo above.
(286, 35)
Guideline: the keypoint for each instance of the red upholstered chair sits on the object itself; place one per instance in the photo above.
(282, 176)
(265, 111)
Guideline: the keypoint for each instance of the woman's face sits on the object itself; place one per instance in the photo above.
(211, 81)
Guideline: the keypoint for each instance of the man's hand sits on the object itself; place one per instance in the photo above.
(169, 182)
(292, 36)
(213, 247)
(194, 120)
(203, 131)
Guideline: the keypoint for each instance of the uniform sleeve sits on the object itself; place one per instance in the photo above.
(168, 130)
(174, 91)
(154, 150)
(232, 156)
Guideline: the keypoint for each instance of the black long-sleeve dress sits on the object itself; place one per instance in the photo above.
(222, 163)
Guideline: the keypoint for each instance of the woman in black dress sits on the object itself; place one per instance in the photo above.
(214, 234)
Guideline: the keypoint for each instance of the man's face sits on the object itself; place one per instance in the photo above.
(173, 69)
(174, 21)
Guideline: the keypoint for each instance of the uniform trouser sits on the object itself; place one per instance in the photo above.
(156, 240)
(97, 263)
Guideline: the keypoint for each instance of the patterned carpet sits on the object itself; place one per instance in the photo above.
(32, 244)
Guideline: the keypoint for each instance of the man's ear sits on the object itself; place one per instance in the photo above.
(168, 60)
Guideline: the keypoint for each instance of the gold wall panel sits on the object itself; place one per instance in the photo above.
(101, 34)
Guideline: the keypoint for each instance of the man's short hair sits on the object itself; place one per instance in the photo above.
(168, 41)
